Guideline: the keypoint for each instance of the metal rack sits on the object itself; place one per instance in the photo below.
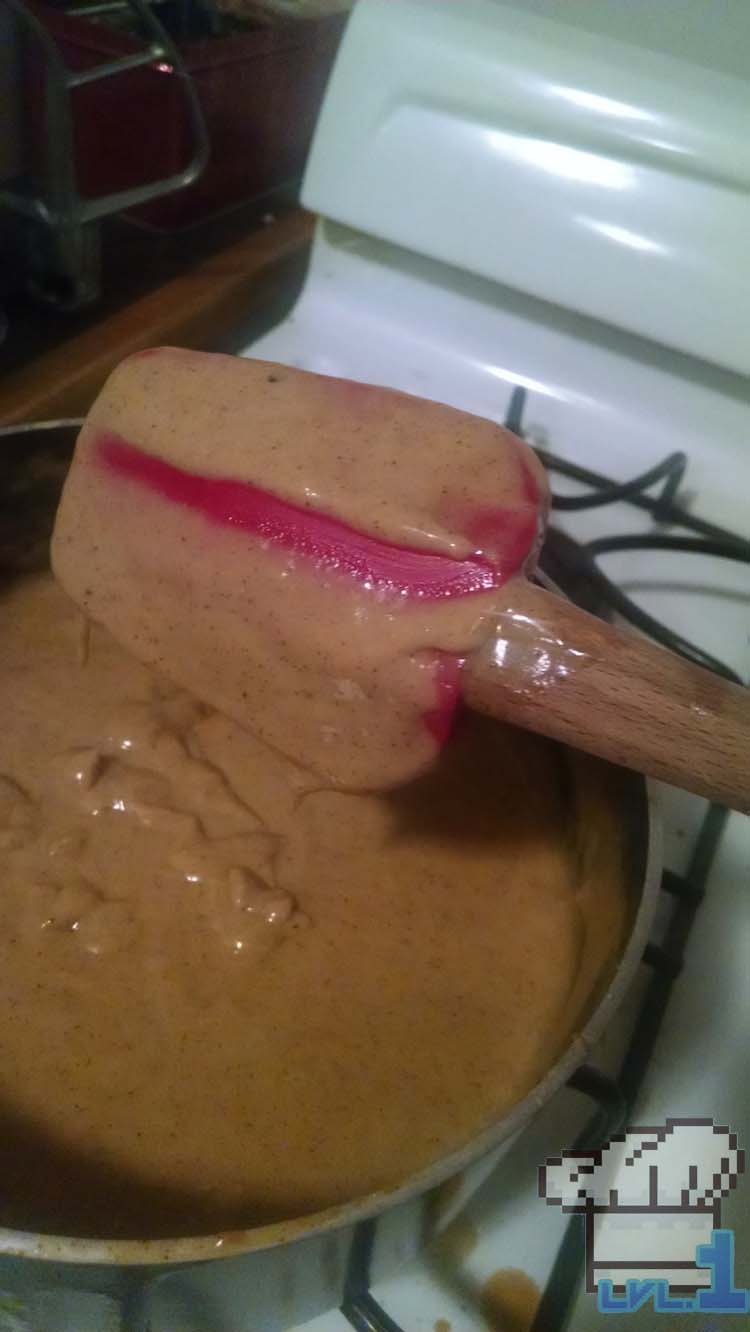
(63, 234)
(573, 567)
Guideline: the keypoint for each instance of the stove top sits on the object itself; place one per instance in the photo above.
(661, 438)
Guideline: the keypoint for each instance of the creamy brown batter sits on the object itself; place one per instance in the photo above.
(228, 994)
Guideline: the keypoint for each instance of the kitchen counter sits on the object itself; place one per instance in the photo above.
(56, 363)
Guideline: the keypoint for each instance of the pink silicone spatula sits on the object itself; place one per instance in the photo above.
(333, 565)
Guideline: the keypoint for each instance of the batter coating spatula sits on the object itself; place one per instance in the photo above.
(334, 565)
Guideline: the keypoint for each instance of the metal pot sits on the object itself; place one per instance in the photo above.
(279, 1275)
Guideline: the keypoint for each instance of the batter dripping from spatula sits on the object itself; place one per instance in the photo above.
(312, 557)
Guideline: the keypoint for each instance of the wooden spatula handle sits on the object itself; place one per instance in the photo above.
(551, 667)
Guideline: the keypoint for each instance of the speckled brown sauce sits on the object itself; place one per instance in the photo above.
(231, 991)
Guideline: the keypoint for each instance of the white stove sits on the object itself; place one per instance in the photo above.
(509, 199)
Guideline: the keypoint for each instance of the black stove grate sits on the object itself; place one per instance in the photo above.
(574, 568)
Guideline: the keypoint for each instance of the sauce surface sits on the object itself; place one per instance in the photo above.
(230, 993)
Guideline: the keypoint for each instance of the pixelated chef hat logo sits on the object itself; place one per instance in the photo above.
(652, 1202)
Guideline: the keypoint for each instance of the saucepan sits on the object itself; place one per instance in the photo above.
(280, 1275)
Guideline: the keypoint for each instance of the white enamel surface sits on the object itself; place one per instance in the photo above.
(562, 162)
(374, 312)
